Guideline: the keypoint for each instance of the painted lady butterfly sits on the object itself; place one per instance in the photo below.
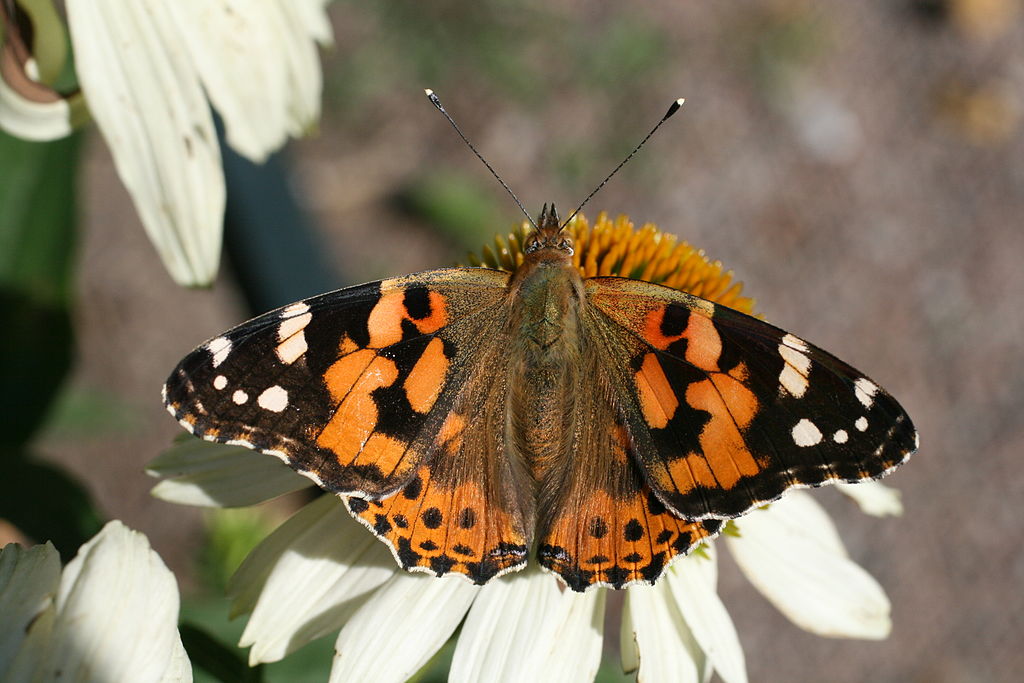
(473, 418)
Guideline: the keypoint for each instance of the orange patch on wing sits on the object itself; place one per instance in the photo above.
(446, 529)
(385, 452)
(350, 380)
(704, 344)
(657, 400)
(652, 329)
(620, 443)
(741, 401)
(425, 380)
(345, 372)
(731, 406)
(450, 434)
(385, 321)
(347, 346)
(438, 317)
(687, 473)
(616, 540)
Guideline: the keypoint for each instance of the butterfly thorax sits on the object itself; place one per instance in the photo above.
(546, 296)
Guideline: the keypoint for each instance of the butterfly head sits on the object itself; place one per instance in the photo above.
(548, 237)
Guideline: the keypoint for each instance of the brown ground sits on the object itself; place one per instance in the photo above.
(859, 165)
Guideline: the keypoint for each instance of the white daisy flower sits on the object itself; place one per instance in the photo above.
(111, 615)
(146, 70)
(321, 572)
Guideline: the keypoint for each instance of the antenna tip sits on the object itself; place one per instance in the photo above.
(673, 108)
(428, 92)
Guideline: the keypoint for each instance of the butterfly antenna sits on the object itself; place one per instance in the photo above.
(440, 107)
(671, 110)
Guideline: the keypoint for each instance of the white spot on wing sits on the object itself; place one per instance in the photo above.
(806, 433)
(219, 382)
(793, 377)
(290, 333)
(240, 397)
(841, 436)
(292, 348)
(795, 342)
(861, 424)
(865, 390)
(220, 348)
(274, 399)
(297, 308)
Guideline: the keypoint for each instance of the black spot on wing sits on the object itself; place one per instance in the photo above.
(615, 575)
(417, 302)
(442, 564)
(432, 518)
(633, 531)
(406, 555)
(652, 570)
(676, 318)
(358, 505)
(413, 489)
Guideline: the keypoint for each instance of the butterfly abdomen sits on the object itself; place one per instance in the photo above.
(545, 362)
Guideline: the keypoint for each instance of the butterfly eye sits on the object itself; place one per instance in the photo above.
(532, 245)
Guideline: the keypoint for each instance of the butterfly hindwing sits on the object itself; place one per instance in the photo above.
(350, 387)
(726, 412)
(469, 511)
(599, 521)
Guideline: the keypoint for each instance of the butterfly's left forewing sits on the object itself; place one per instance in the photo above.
(727, 412)
(388, 393)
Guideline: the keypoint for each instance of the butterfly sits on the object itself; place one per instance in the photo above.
(474, 419)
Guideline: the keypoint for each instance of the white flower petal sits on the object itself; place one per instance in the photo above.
(179, 667)
(313, 14)
(236, 49)
(27, 119)
(575, 649)
(310, 575)
(144, 94)
(793, 555)
(208, 474)
(522, 627)
(398, 629)
(655, 640)
(117, 614)
(874, 498)
(299, 54)
(692, 585)
(28, 584)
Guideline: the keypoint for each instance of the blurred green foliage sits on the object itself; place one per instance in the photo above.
(37, 238)
(231, 533)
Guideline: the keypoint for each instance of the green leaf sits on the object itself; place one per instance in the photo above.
(37, 228)
(46, 504)
(216, 659)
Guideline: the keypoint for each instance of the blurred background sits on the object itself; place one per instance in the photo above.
(860, 166)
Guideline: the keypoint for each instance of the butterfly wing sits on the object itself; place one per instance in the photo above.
(367, 391)
(599, 522)
(470, 510)
(725, 412)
